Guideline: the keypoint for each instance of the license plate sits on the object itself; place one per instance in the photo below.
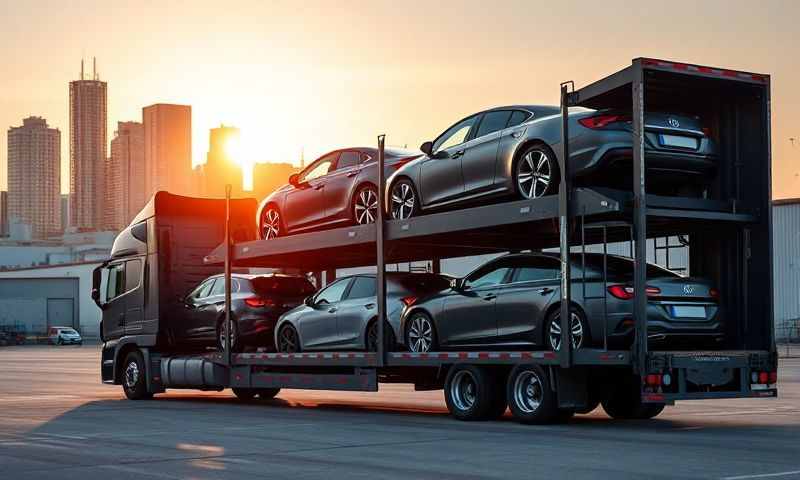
(677, 141)
(684, 311)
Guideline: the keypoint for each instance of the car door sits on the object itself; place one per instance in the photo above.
(355, 310)
(200, 310)
(469, 313)
(522, 302)
(305, 202)
(339, 185)
(114, 306)
(441, 178)
(478, 164)
(318, 327)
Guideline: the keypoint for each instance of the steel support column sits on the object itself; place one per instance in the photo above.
(380, 231)
(564, 217)
(228, 248)
(639, 221)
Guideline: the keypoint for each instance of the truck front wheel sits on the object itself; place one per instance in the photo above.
(134, 378)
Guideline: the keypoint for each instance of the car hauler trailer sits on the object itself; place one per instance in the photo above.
(729, 232)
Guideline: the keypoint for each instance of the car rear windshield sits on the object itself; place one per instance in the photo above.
(68, 330)
(288, 286)
(422, 282)
(620, 267)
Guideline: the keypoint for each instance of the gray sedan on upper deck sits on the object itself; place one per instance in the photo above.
(511, 151)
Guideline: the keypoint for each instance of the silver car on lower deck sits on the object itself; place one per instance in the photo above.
(512, 151)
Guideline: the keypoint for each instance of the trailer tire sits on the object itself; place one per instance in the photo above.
(268, 393)
(134, 377)
(530, 397)
(624, 402)
(245, 394)
(468, 392)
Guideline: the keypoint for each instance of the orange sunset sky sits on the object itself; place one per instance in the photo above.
(321, 75)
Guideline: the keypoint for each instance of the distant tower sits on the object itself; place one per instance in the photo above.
(302, 158)
(87, 150)
(167, 148)
(34, 176)
(125, 178)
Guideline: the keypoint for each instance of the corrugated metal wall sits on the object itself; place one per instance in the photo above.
(786, 270)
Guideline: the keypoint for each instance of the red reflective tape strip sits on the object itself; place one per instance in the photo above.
(653, 397)
(407, 355)
(343, 380)
(680, 66)
(463, 355)
(549, 355)
(444, 355)
(483, 355)
(505, 356)
(527, 355)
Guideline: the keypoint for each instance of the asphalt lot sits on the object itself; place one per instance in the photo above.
(58, 421)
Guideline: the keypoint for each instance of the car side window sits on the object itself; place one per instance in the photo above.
(517, 117)
(347, 160)
(363, 287)
(365, 157)
(333, 292)
(321, 167)
(218, 288)
(455, 135)
(493, 122)
(494, 275)
(538, 269)
(205, 289)
(116, 281)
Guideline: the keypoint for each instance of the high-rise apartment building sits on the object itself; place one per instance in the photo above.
(87, 151)
(3, 213)
(34, 176)
(167, 148)
(125, 176)
(222, 167)
(268, 177)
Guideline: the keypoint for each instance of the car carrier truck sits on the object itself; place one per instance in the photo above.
(176, 241)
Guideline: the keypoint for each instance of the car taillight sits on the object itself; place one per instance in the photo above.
(706, 131)
(258, 302)
(408, 301)
(624, 292)
(601, 121)
(713, 293)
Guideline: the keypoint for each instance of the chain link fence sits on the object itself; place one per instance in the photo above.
(787, 336)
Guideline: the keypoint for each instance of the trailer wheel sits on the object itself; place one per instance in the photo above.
(468, 392)
(134, 378)
(624, 402)
(245, 394)
(530, 397)
(268, 393)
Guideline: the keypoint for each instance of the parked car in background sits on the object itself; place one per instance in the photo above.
(513, 302)
(257, 301)
(342, 315)
(63, 336)
(339, 188)
(511, 151)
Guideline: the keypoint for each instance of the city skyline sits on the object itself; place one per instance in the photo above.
(287, 90)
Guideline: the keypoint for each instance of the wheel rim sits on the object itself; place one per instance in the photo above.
(534, 173)
(270, 224)
(131, 375)
(222, 336)
(420, 334)
(463, 390)
(402, 201)
(288, 340)
(576, 332)
(366, 207)
(528, 391)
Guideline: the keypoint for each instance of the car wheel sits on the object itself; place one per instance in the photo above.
(245, 394)
(420, 333)
(468, 392)
(271, 223)
(536, 173)
(268, 393)
(234, 335)
(372, 337)
(60, 341)
(404, 201)
(134, 381)
(365, 205)
(530, 397)
(579, 330)
(288, 340)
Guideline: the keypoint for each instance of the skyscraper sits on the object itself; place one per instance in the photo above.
(125, 177)
(3, 213)
(87, 151)
(222, 167)
(34, 176)
(167, 148)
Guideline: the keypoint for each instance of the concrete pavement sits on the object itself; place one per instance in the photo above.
(58, 421)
